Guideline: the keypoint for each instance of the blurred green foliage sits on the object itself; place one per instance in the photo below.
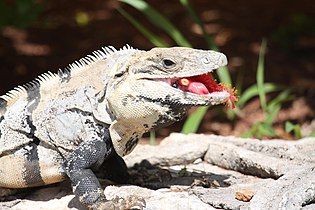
(156, 40)
(270, 108)
(19, 13)
(295, 128)
(157, 19)
(152, 140)
(288, 36)
(264, 128)
(193, 121)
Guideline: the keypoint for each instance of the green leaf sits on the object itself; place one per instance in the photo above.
(156, 40)
(223, 72)
(260, 75)
(159, 20)
(252, 91)
(266, 130)
(193, 121)
(247, 134)
(272, 114)
(239, 82)
(289, 127)
(224, 75)
(152, 140)
(251, 132)
(283, 96)
(274, 106)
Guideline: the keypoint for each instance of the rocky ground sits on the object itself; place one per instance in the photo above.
(204, 172)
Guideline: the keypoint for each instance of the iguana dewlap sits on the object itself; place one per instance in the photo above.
(80, 121)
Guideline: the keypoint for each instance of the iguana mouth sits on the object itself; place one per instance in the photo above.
(200, 84)
(203, 84)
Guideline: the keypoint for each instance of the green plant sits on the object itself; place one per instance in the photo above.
(295, 128)
(191, 125)
(260, 76)
(152, 140)
(157, 41)
(158, 20)
(193, 121)
(19, 13)
(270, 109)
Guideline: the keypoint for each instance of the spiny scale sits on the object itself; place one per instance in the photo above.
(75, 66)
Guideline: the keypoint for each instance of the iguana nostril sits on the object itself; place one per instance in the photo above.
(206, 60)
(216, 59)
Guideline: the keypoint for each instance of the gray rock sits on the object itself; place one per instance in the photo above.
(175, 149)
(239, 159)
(219, 198)
(206, 172)
(290, 192)
(159, 199)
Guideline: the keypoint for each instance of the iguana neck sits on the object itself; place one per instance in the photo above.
(125, 136)
(126, 131)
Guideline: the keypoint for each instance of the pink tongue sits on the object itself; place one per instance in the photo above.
(197, 88)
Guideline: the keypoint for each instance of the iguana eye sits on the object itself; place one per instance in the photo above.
(167, 63)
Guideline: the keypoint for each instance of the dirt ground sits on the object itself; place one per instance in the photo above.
(56, 39)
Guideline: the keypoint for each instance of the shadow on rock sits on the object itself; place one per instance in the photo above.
(155, 177)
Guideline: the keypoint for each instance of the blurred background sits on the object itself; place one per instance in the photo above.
(270, 46)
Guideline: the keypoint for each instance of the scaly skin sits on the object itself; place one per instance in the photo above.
(71, 124)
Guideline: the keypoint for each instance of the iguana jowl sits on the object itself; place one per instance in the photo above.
(86, 117)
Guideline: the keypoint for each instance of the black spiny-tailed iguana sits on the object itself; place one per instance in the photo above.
(86, 117)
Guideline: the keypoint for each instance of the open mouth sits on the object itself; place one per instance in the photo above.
(203, 85)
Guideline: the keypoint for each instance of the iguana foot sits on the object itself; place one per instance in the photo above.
(118, 203)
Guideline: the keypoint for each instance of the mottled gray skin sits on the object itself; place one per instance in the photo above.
(86, 117)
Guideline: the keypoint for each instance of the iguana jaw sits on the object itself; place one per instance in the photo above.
(203, 88)
(197, 89)
(181, 76)
(200, 84)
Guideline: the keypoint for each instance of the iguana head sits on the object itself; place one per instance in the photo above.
(155, 88)
(174, 77)
(178, 76)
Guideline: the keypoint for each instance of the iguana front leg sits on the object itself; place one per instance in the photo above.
(78, 167)
(91, 154)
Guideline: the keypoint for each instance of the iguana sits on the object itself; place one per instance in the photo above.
(85, 118)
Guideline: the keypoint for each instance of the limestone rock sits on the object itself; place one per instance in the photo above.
(203, 172)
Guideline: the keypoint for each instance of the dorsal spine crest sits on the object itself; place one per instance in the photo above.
(75, 66)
